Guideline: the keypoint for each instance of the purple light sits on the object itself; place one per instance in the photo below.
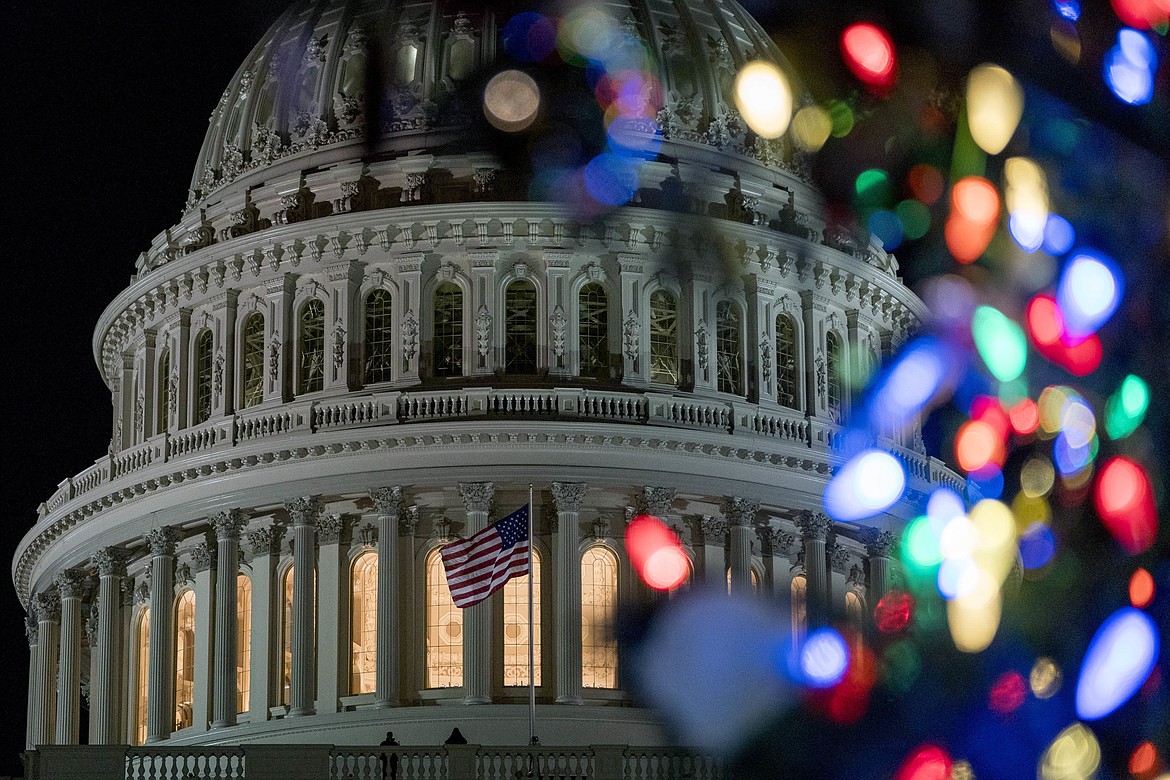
(1120, 657)
(1059, 235)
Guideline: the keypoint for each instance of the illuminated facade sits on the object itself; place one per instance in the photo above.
(345, 354)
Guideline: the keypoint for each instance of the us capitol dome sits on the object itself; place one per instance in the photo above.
(381, 316)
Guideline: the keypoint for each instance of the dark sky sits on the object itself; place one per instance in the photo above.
(108, 104)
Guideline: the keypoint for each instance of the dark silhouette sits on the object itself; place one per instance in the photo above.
(389, 739)
(389, 760)
(456, 738)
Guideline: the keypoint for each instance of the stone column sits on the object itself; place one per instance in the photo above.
(775, 544)
(30, 715)
(227, 526)
(634, 325)
(205, 558)
(265, 543)
(815, 528)
(344, 279)
(741, 517)
(331, 656)
(103, 689)
(69, 586)
(389, 505)
(477, 620)
(160, 692)
(567, 576)
(712, 559)
(482, 358)
(409, 275)
(304, 511)
(879, 549)
(47, 608)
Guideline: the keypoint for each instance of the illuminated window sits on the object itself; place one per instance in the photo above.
(593, 326)
(141, 675)
(728, 348)
(379, 339)
(286, 637)
(755, 580)
(516, 627)
(855, 611)
(833, 370)
(663, 338)
(363, 659)
(203, 360)
(520, 328)
(162, 413)
(799, 607)
(184, 659)
(448, 336)
(243, 641)
(787, 374)
(599, 590)
(311, 358)
(252, 368)
(444, 629)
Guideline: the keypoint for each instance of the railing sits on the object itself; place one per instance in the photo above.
(193, 440)
(170, 764)
(521, 402)
(346, 413)
(787, 426)
(500, 763)
(651, 764)
(406, 763)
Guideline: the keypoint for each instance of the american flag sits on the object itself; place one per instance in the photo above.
(478, 567)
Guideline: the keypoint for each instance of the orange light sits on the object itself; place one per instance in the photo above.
(1125, 503)
(655, 553)
(1141, 588)
(1143, 759)
(975, 198)
(976, 445)
(1025, 417)
(869, 54)
(990, 411)
(926, 182)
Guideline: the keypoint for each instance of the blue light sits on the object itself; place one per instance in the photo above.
(1120, 657)
(868, 484)
(824, 658)
(944, 506)
(611, 179)
(1059, 235)
(887, 226)
(628, 137)
(1132, 81)
(957, 576)
(1070, 459)
(1089, 292)
(988, 481)
(899, 395)
(1027, 229)
(1037, 546)
(1068, 9)
(1137, 48)
(529, 36)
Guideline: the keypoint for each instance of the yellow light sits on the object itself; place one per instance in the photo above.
(764, 98)
(996, 526)
(1074, 755)
(510, 100)
(995, 103)
(1026, 196)
(811, 127)
(1036, 477)
(1029, 509)
(973, 618)
(1044, 679)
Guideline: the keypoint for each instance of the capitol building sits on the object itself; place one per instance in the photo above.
(379, 319)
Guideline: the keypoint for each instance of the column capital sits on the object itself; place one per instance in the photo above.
(162, 540)
(110, 561)
(740, 511)
(568, 495)
(265, 541)
(408, 521)
(31, 631)
(229, 524)
(388, 500)
(203, 555)
(304, 510)
(838, 556)
(713, 530)
(774, 540)
(881, 544)
(657, 500)
(477, 496)
(329, 528)
(815, 525)
(69, 584)
(46, 605)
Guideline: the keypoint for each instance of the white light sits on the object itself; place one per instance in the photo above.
(1120, 657)
(871, 482)
(764, 98)
(1088, 294)
(958, 539)
(824, 658)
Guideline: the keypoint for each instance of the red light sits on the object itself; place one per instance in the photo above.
(655, 553)
(869, 54)
(893, 612)
(989, 410)
(928, 762)
(848, 700)
(926, 182)
(1125, 503)
(1008, 692)
(1025, 417)
(1144, 759)
(1142, 14)
(976, 445)
(1141, 588)
(974, 214)
(1046, 326)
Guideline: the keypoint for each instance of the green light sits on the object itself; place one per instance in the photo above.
(841, 117)
(1125, 409)
(1011, 393)
(921, 544)
(1000, 342)
(915, 218)
(903, 665)
(873, 187)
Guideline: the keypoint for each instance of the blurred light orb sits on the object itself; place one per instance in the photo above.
(511, 100)
(1027, 228)
(1141, 588)
(915, 218)
(1028, 510)
(922, 544)
(926, 182)
(1131, 81)
(1137, 48)
(1075, 754)
(611, 179)
(887, 226)
(928, 762)
(1045, 678)
(976, 445)
(1120, 657)
(973, 218)
(1024, 417)
(1078, 423)
(1059, 235)
(976, 199)
(873, 187)
(1070, 459)
(869, 55)
(666, 568)
(915, 377)
(824, 658)
(1068, 9)
(1088, 294)
(1000, 342)
(655, 553)
(957, 577)
(868, 484)
(529, 36)
(811, 128)
(943, 506)
(893, 612)
(1143, 14)
(1124, 500)
(841, 116)
(764, 98)
(1037, 477)
(1126, 409)
(973, 616)
(1037, 546)
(1007, 693)
(986, 482)
(995, 103)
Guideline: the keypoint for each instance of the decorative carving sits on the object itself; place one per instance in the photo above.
(484, 181)
(31, 630)
(600, 528)
(775, 541)
(657, 501)
(856, 578)
(814, 525)
(462, 24)
(329, 528)
(139, 403)
(408, 521)
(838, 556)
(69, 584)
(229, 524)
(173, 394)
(217, 376)
(483, 331)
(367, 535)
(740, 511)
(558, 323)
(712, 530)
(304, 510)
(266, 145)
(409, 334)
(881, 544)
(388, 500)
(47, 605)
(348, 108)
(415, 184)
(142, 592)
(162, 540)
(231, 163)
(110, 561)
(765, 356)
(203, 555)
(702, 346)
(265, 541)
(568, 495)
(245, 221)
(315, 49)
(274, 359)
(631, 336)
(338, 345)
(183, 576)
(442, 530)
(821, 375)
(477, 496)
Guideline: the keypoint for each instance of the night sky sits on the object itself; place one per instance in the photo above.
(108, 105)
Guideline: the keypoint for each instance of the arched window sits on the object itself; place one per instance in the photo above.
(516, 627)
(141, 675)
(448, 336)
(663, 338)
(520, 327)
(444, 629)
(728, 348)
(163, 411)
(855, 611)
(787, 373)
(799, 607)
(311, 358)
(755, 580)
(286, 605)
(203, 360)
(378, 344)
(252, 361)
(593, 331)
(599, 590)
(363, 659)
(243, 641)
(833, 375)
(184, 659)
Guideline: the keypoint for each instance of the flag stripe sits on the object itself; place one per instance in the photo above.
(478, 566)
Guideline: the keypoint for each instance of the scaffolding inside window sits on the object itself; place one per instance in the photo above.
(378, 365)
(520, 328)
(786, 371)
(448, 335)
(663, 338)
(311, 360)
(203, 358)
(593, 331)
(252, 375)
(728, 348)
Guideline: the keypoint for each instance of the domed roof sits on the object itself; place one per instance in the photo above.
(304, 86)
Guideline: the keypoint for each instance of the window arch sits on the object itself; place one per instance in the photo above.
(286, 605)
(855, 611)
(163, 412)
(141, 675)
(444, 647)
(516, 627)
(799, 607)
(728, 348)
(833, 375)
(311, 357)
(203, 358)
(184, 659)
(663, 337)
(593, 330)
(520, 327)
(252, 361)
(599, 590)
(787, 371)
(447, 340)
(378, 341)
(243, 641)
(363, 659)
(755, 580)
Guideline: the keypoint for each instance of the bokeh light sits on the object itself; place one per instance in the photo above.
(1120, 657)
(973, 218)
(530, 37)
(1008, 693)
(1089, 293)
(893, 612)
(868, 484)
(1125, 503)
(1037, 546)
(811, 128)
(511, 100)
(869, 55)
(1024, 417)
(1075, 754)
(1045, 678)
(1129, 75)
(655, 553)
(764, 98)
(824, 658)
(976, 445)
(1141, 588)
(1000, 342)
(1126, 408)
(1059, 235)
(1144, 759)
(995, 103)
(1143, 14)
(928, 762)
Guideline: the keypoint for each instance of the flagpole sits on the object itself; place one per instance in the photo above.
(532, 740)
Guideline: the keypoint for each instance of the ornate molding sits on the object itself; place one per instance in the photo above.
(46, 605)
(229, 524)
(329, 528)
(712, 530)
(881, 544)
(838, 556)
(657, 500)
(408, 521)
(775, 541)
(477, 496)
(388, 501)
(162, 541)
(305, 510)
(265, 541)
(631, 336)
(740, 511)
(814, 525)
(568, 495)
(31, 630)
(110, 561)
(367, 535)
(203, 555)
(70, 584)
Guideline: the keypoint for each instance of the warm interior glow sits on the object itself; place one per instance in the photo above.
(444, 656)
(516, 627)
(363, 636)
(599, 586)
